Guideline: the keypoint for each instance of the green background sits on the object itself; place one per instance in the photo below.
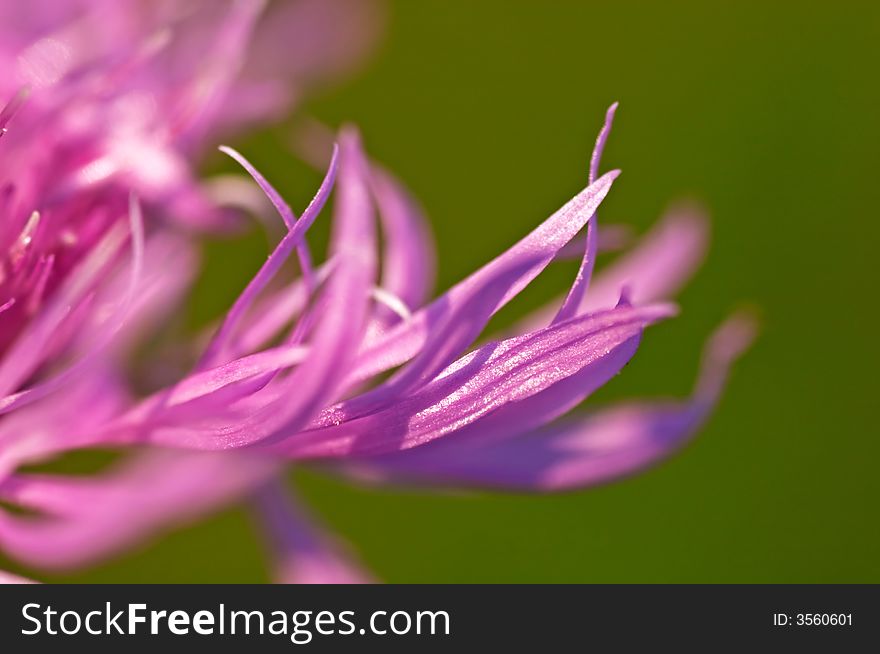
(768, 113)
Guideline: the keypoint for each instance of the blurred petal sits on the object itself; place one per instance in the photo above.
(302, 552)
(30, 433)
(408, 258)
(336, 334)
(87, 518)
(101, 334)
(9, 578)
(293, 239)
(28, 352)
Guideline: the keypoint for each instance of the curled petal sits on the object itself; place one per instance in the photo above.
(9, 578)
(660, 264)
(580, 452)
(293, 239)
(501, 386)
(405, 340)
(408, 253)
(335, 337)
(278, 202)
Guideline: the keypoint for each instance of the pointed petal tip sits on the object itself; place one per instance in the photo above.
(350, 134)
(611, 111)
(733, 337)
(234, 154)
(608, 178)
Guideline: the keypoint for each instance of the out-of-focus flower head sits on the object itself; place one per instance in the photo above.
(105, 105)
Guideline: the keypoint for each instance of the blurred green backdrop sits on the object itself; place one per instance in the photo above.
(768, 113)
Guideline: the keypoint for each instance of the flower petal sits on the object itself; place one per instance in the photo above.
(513, 384)
(408, 258)
(654, 270)
(27, 353)
(405, 340)
(335, 337)
(574, 299)
(9, 578)
(292, 239)
(278, 202)
(580, 452)
(102, 335)
(303, 553)
(88, 518)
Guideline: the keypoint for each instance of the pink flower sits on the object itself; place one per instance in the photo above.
(349, 365)
(446, 416)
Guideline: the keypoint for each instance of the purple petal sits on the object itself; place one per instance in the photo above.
(405, 340)
(452, 335)
(303, 553)
(335, 338)
(576, 293)
(280, 205)
(580, 452)
(294, 237)
(654, 270)
(88, 518)
(516, 383)
(9, 578)
(408, 258)
(26, 350)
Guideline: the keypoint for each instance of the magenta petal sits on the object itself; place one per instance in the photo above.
(573, 300)
(303, 553)
(487, 387)
(408, 257)
(659, 265)
(88, 518)
(9, 578)
(580, 452)
(27, 353)
(102, 333)
(202, 100)
(278, 202)
(30, 433)
(293, 239)
(405, 340)
(339, 325)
